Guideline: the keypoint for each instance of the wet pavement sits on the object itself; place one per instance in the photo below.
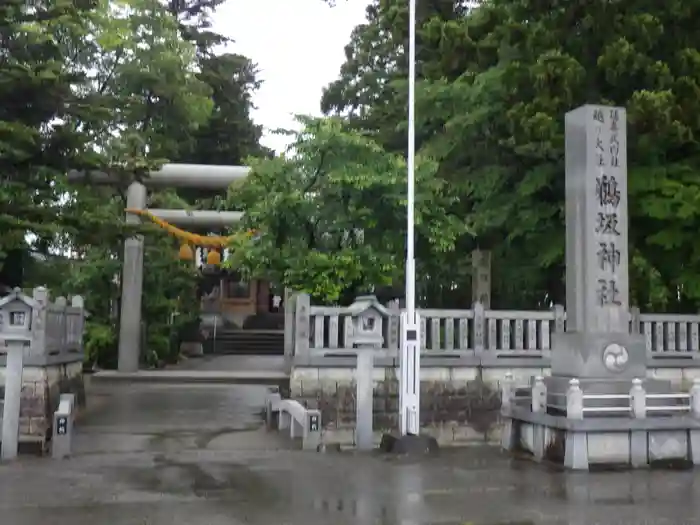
(198, 454)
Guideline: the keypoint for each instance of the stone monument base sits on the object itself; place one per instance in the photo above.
(602, 441)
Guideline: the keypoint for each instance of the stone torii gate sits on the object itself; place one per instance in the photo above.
(170, 175)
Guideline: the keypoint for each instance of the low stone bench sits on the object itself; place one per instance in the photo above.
(302, 422)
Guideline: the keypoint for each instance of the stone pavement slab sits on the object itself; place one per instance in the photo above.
(198, 454)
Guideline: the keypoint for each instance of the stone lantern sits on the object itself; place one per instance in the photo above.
(367, 321)
(16, 315)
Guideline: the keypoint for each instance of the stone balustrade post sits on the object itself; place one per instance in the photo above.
(289, 317)
(695, 398)
(479, 328)
(79, 326)
(638, 399)
(575, 448)
(394, 324)
(302, 325)
(635, 321)
(539, 395)
(574, 400)
(62, 325)
(539, 406)
(638, 438)
(508, 435)
(507, 391)
(39, 321)
(559, 319)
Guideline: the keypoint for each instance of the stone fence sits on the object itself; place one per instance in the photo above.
(322, 336)
(57, 331)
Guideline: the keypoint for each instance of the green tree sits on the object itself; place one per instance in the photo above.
(330, 215)
(145, 72)
(493, 89)
(38, 141)
(527, 64)
(372, 93)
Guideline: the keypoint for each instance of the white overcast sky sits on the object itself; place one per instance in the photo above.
(299, 48)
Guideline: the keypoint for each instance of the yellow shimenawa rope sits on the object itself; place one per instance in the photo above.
(205, 241)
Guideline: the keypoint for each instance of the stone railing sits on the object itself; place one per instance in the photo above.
(669, 336)
(57, 331)
(486, 337)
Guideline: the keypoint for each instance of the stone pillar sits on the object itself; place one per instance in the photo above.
(597, 296)
(132, 287)
(302, 321)
(394, 324)
(289, 307)
(597, 343)
(364, 397)
(481, 278)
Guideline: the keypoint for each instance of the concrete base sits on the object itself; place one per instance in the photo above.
(409, 444)
(608, 441)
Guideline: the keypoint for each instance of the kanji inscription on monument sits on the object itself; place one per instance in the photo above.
(596, 218)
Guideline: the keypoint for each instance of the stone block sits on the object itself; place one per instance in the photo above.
(668, 445)
(39, 426)
(462, 374)
(690, 374)
(674, 375)
(609, 447)
(463, 434)
(343, 376)
(435, 374)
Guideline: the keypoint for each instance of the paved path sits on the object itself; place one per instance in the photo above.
(197, 455)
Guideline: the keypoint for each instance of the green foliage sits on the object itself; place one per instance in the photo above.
(120, 85)
(331, 214)
(37, 141)
(493, 90)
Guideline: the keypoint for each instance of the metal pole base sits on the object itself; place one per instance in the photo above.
(409, 381)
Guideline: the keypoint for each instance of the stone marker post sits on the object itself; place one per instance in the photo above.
(597, 346)
(481, 278)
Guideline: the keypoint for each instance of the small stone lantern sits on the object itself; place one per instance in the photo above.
(16, 312)
(367, 320)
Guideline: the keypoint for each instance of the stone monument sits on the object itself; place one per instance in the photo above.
(598, 406)
(597, 347)
(481, 278)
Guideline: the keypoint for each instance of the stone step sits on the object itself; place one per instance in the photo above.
(246, 342)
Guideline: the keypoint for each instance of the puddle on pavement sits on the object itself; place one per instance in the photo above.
(193, 438)
(226, 481)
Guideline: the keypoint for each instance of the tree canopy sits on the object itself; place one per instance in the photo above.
(126, 85)
(494, 87)
(331, 214)
(123, 85)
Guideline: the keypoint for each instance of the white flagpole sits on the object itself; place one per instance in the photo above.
(410, 323)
